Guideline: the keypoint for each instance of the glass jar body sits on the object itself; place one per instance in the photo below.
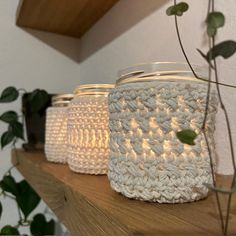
(147, 161)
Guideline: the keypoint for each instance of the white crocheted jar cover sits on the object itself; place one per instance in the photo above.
(147, 161)
(56, 134)
(88, 139)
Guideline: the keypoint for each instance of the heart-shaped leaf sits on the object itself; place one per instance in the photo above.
(177, 9)
(40, 226)
(9, 117)
(9, 94)
(16, 128)
(225, 49)
(9, 230)
(6, 138)
(8, 184)
(27, 198)
(214, 21)
(38, 99)
(187, 136)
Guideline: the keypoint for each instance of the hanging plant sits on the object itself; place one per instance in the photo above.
(25, 197)
(214, 21)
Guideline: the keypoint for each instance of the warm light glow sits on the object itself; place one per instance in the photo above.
(88, 131)
(56, 129)
(146, 159)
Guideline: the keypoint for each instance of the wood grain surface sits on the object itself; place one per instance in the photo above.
(89, 207)
(68, 17)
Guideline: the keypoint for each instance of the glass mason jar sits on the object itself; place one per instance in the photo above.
(88, 132)
(56, 129)
(150, 103)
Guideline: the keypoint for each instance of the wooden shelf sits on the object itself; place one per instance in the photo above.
(89, 207)
(68, 17)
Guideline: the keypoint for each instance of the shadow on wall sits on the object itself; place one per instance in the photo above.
(124, 15)
(66, 45)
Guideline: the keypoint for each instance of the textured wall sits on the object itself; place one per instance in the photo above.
(137, 31)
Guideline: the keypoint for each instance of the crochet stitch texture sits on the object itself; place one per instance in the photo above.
(88, 134)
(56, 134)
(146, 160)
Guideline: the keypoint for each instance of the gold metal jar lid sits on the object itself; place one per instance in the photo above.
(62, 99)
(93, 89)
(161, 71)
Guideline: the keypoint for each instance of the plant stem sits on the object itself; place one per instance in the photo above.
(205, 114)
(230, 142)
(188, 61)
(229, 135)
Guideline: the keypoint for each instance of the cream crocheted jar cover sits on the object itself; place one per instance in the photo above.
(147, 161)
(88, 134)
(56, 134)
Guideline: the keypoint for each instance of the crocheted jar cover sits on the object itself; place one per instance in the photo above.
(147, 161)
(56, 134)
(88, 139)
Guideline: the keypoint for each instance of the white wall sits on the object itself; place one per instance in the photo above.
(26, 61)
(137, 31)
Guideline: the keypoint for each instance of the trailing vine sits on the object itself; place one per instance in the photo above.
(226, 49)
(25, 198)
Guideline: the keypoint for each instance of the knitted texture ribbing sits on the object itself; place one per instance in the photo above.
(88, 139)
(56, 134)
(147, 161)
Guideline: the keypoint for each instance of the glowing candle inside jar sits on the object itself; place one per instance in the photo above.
(56, 129)
(150, 103)
(88, 132)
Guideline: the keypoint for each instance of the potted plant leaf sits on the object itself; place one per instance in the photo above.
(26, 199)
(34, 107)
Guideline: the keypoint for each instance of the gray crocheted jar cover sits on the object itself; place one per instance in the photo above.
(146, 160)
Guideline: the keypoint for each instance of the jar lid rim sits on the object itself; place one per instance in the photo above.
(93, 87)
(60, 103)
(66, 96)
(157, 70)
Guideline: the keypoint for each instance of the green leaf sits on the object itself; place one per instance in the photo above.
(40, 226)
(187, 136)
(16, 128)
(225, 49)
(8, 184)
(6, 138)
(211, 31)
(38, 100)
(27, 198)
(215, 20)
(177, 9)
(9, 230)
(0, 210)
(9, 116)
(9, 94)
